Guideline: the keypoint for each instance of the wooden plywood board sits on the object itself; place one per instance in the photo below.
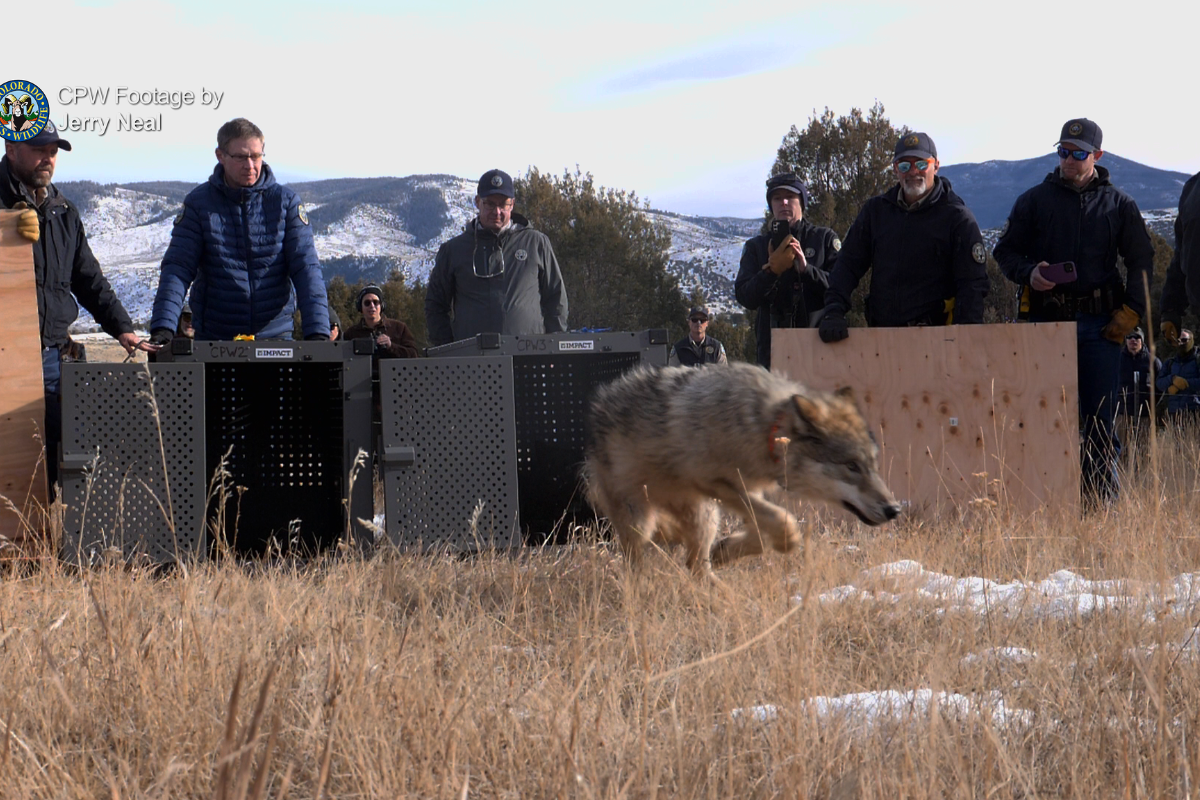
(962, 413)
(22, 400)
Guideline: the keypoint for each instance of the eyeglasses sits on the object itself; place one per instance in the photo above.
(252, 157)
(1078, 155)
(905, 166)
(372, 303)
(493, 207)
(697, 320)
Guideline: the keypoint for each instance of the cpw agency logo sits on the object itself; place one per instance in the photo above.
(24, 111)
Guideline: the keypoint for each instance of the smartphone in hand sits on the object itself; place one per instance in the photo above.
(779, 231)
(1062, 272)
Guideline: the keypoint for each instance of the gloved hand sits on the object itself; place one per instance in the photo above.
(316, 337)
(1178, 384)
(27, 223)
(1124, 320)
(782, 257)
(161, 336)
(833, 327)
(1170, 326)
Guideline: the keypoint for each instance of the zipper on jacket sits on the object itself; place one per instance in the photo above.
(249, 259)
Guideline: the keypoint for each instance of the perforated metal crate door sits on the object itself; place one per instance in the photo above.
(449, 452)
(112, 469)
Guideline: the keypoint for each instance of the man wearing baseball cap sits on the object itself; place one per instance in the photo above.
(497, 276)
(1076, 215)
(64, 267)
(697, 348)
(922, 246)
(784, 273)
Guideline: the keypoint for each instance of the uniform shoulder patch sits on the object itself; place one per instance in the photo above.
(1004, 230)
(979, 253)
(837, 244)
(179, 216)
(303, 214)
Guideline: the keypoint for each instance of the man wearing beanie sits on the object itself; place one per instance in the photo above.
(1061, 245)
(922, 246)
(392, 338)
(785, 283)
(497, 276)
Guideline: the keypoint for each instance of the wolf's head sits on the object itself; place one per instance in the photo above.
(832, 456)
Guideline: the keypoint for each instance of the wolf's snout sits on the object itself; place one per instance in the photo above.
(892, 511)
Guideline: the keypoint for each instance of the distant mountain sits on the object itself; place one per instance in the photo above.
(990, 188)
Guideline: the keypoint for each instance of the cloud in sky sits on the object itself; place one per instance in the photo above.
(677, 101)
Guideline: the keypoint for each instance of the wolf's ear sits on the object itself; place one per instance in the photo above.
(846, 393)
(811, 412)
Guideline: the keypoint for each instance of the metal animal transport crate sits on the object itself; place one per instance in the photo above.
(488, 434)
(255, 441)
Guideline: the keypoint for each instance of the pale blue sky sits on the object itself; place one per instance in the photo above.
(684, 103)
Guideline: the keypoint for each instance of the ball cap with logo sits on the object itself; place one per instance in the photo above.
(495, 181)
(49, 135)
(1081, 133)
(915, 145)
(698, 311)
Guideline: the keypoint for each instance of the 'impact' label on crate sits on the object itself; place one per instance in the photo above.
(273, 352)
(577, 344)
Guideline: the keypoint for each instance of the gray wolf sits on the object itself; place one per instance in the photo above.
(664, 444)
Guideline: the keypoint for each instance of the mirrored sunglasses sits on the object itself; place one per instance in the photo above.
(1078, 155)
(905, 166)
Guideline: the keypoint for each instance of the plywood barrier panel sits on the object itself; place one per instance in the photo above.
(966, 413)
(22, 402)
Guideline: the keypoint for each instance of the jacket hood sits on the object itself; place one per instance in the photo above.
(266, 180)
(1100, 179)
(941, 192)
(518, 223)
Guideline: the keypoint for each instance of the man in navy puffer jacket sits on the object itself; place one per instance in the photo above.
(242, 242)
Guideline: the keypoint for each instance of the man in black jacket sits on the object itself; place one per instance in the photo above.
(786, 285)
(64, 268)
(1076, 215)
(1182, 286)
(922, 246)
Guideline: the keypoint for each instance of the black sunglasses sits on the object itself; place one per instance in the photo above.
(1078, 155)
(698, 319)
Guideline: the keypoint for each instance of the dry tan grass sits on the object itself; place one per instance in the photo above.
(560, 674)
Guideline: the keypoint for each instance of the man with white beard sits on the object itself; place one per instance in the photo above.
(922, 246)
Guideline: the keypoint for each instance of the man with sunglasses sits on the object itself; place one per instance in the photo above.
(1076, 215)
(785, 284)
(497, 276)
(242, 243)
(697, 348)
(922, 246)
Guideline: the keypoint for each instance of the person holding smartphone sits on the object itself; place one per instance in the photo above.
(784, 273)
(1076, 215)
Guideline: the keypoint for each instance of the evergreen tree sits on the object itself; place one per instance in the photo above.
(613, 257)
(843, 160)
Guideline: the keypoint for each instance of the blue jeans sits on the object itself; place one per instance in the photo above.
(1099, 362)
(52, 435)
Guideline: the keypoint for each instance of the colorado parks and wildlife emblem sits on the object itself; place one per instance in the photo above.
(979, 253)
(303, 214)
(521, 255)
(1075, 129)
(497, 181)
(911, 141)
(24, 111)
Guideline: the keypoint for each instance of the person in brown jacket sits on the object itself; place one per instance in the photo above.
(392, 337)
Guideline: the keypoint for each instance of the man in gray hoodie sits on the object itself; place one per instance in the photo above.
(497, 276)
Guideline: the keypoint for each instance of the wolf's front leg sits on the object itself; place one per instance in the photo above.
(766, 523)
